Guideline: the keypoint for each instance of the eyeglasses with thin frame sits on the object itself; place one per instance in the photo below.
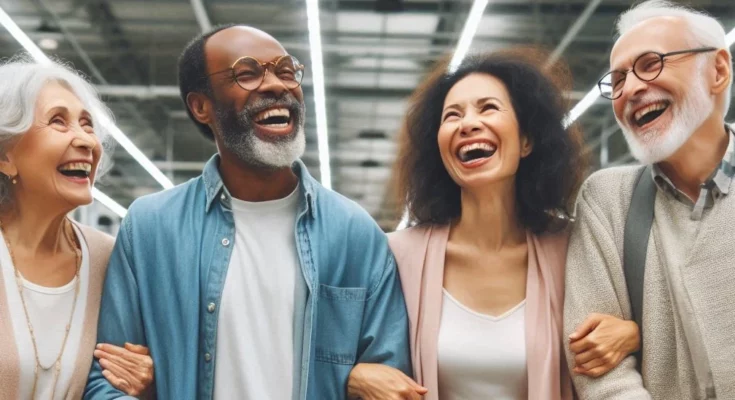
(249, 72)
(646, 67)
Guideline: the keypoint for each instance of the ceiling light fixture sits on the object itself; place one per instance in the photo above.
(468, 33)
(320, 100)
(48, 44)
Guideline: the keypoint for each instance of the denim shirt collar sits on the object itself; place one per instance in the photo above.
(215, 187)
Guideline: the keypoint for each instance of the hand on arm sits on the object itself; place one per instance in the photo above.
(381, 382)
(129, 369)
(601, 342)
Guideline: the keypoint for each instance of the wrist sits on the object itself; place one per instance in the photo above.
(634, 339)
(355, 383)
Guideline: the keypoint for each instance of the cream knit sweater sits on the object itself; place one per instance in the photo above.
(595, 283)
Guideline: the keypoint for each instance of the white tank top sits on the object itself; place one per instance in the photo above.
(480, 356)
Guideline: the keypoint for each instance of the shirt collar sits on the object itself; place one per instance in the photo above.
(215, 187)
(720, 178)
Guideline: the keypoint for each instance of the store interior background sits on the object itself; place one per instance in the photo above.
(374, 53)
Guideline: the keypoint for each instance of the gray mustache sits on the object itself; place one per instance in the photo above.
(288, 101)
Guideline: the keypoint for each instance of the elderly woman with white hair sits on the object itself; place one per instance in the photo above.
(52, 269)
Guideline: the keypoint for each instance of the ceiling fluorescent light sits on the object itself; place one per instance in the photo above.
(468, 33)
(593, 94)
(22, 38)
(135, 152)
(587, 101)
(109, 203)
(320, 100)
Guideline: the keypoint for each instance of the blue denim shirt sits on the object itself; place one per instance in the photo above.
(167, 271)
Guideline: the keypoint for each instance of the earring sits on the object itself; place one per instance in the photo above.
(14, 180)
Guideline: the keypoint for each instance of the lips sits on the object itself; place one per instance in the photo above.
(274, 118)
(76, 169)
(648, 113)
(476, 152)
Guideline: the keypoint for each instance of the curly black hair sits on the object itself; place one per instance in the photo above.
(547, 179)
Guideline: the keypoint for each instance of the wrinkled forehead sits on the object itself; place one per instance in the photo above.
(659, 34)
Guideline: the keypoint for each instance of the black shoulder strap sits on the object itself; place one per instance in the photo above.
(635, 244)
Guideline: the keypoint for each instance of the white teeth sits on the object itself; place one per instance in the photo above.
(645, 110)
(274, 112)
(77, 166)
(474, 146)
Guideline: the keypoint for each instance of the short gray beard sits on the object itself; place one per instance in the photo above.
(238, 136)
(654, 145)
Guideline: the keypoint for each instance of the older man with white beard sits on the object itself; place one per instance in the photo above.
(670, 81)
(251, 281)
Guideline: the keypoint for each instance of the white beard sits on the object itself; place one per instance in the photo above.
(278, 154)
(656, 144)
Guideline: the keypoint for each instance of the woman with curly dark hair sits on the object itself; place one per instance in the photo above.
(488, 173)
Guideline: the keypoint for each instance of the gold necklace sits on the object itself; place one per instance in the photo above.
(19, 282)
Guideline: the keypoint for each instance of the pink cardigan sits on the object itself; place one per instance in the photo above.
(420, 254)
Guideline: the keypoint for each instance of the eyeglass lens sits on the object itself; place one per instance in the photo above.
(249, 73)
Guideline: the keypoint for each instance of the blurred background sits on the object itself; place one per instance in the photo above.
(374, 52)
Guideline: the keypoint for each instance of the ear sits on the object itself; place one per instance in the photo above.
(526, 146)
(7, 165)
(723, 70)
(200, 106)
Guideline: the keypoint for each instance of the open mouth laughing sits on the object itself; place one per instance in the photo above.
(276, 121)
(76, 170)
(476, 153)
(649, 113)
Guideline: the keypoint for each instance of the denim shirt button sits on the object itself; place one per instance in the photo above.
(207, 357)
(211, 307)
(225, 242)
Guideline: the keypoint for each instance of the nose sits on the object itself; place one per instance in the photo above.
(633, 86)
(272, 84)
(83, 139)
(470, 124)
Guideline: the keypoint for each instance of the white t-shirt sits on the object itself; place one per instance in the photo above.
(480, 356)
(254, 353)
(49, 310)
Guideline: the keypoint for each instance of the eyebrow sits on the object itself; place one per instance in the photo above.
(64, 110)
(634, 58)
(478, 101)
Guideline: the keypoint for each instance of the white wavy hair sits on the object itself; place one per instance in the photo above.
(704, 29)
(21, 80)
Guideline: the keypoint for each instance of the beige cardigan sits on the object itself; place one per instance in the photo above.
(420, 252)
(100, 247)
(595, 282)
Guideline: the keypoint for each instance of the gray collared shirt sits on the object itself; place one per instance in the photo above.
(715, 188)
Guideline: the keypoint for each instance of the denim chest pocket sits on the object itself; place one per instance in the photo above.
(339, 319)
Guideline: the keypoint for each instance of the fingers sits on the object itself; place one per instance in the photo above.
(121, 361)
(581, 345)
(587, 326)
(594, 363)
(587, 356)
(599, 371)
(118, 371)
(413, 396)
(112, 349)
(118, 383)
(415, 386)
(138, 349)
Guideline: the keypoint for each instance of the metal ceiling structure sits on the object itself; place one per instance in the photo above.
(374, 53)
